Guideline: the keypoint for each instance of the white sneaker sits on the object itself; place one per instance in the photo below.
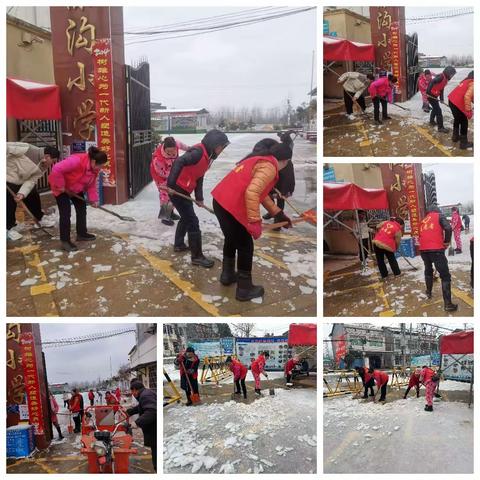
(46, 222)
(13, 235)
(351, 116)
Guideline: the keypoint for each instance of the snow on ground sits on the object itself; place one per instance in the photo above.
(452, 385)
(398, 437)
(274, 434)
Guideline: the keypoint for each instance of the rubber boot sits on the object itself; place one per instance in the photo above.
(442, 129)
(428, 286)
(165, 214)
(246, 290)
(85, 237)
(228, 275)
(195, 242)
(60, 436)
(455, 135)
(69, 246)
(447, 297)
(464, 143)
(428, 408)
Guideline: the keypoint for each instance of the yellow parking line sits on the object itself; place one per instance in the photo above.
(165, 267)
(121, 274)
(432, 140)
(272, 260)
(463, 296)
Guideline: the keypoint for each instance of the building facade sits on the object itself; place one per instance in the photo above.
(143, 356)
(173, 120)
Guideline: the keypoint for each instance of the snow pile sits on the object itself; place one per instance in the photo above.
(243, 438)
(379, 431)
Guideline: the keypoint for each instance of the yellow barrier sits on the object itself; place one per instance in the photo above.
(344, 384)
(214, 369)
(172, 395)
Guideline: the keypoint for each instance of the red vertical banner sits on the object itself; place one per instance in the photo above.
(340, 349)
(412, 199)
(395, 47)
(104, 105)
(32, 385)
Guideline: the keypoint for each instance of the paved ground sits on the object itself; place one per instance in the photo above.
(351, 292)
(131, 268)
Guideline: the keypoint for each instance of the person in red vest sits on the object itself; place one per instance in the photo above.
(76, 174)
(236, 202)
(239, 371)
(429, 378)
(289, 368)
(423, 81)
(434, 92)
(381, 380)
(186, 176)
(258, 367)
(160, 166)
(460, 101)
(118, 393)
(76, 407)
(414, 381)
(367, 380)
(188, 363)
(386, 243)
(434, 237)
(91, 397)
(381, 91)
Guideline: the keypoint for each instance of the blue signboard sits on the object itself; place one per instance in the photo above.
(333, 34)
(326, 27)
(227, 345)
(407, 248)
(329, 175)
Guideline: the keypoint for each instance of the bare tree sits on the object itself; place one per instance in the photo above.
(242, 329)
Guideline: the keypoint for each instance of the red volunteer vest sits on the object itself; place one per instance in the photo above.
(437, 88)
(187, 180)
(457, 95)
(385, 237)
(230, 192)
(243, 368)
(431, 233)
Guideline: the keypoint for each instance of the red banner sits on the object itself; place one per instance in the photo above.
(32, 385)
(395, 44)
(412, 198)
(340, 348)
(102, 68)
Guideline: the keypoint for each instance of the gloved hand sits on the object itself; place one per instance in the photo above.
(281, 217)
(255, 229)
(357, 95)
(469, 114)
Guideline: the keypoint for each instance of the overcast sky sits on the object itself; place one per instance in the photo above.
(454, 182)
(258, 65)
(442, 37)
(85, 361)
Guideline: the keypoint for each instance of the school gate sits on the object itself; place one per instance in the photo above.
(139, 133)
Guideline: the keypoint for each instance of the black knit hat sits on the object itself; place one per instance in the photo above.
(190, 349)
(281, 151)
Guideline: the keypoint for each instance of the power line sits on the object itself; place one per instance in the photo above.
(92, 337)
(218, 27)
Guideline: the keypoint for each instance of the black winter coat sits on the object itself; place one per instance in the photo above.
(147, 416)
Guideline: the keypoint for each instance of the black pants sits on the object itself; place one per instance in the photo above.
(383, 392)
(188, 219)
(440, 261)
(185, 386)
(78, 423)
(436, 112)
(289, 378)
(460, 121)
(368, 385)
(238, 383)
(467, 225)
(65, 404)
(381, 254)
(376, 107)
(416, 388)
(32, 202)
(65, 211)
(153, 447)
(92, 402)
(348, 98)
(363, 243)
(471, 269)
(237, 239)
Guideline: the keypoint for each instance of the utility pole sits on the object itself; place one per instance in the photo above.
(403, 344)
(111, 375)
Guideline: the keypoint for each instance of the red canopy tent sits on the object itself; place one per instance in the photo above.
(28, 100)
(341, 50)
(458, 343)
(349, 196)
(300, 334)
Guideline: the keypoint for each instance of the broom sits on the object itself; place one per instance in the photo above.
(194, 397)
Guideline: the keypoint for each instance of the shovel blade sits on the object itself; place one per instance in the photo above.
(271, 391)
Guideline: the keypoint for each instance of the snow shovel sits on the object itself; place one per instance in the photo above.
(271, 391)
(194, 397)
(186, 197)
(309, 215)
(70, 426)
(121, 217)
(30, 214)
(408, 261)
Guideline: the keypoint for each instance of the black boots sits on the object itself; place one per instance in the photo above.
(428, 286)
(428, 408)
(447, 297)
(69, 246)
(85, 237)
(464, 143)
(165, 214)
(442, 129)
(455, 135)
(195, 242)
(228, 275)
(245, 288)
(60, 436)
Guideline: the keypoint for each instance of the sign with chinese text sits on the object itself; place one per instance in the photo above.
(388, 36)
(32, 386)
(412, 199)
(340, 348)
(102, 67)
(248, 350)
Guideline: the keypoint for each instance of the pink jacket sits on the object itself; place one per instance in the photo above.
(258, 365)
(456, 222)
(54, 409)
(426, 375)
(381, 378)
(161, 164)
(74, 173)
(381, 88)
(238, 369)
(423, 81)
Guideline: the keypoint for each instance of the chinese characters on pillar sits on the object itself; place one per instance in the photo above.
(30, 377)
(412, 198)
(395, 48)
(102, 65)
